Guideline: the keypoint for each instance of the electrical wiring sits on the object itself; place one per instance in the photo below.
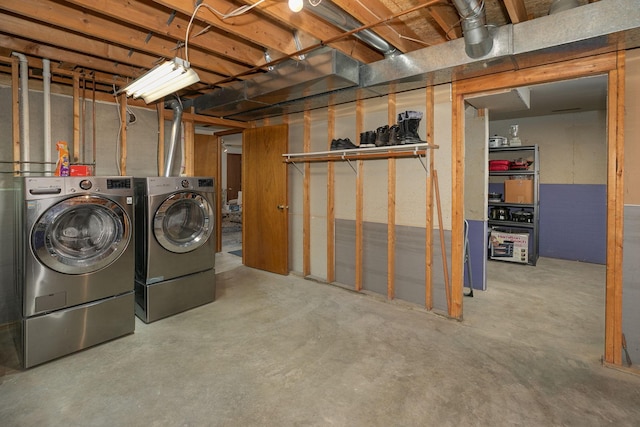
(236, 12)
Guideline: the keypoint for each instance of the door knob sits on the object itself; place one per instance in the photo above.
(282, 207)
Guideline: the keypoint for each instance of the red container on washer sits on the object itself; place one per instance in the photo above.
(80, 170)
(498, 165)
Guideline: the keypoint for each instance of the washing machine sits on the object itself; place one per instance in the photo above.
(175, 245)
(76, 264)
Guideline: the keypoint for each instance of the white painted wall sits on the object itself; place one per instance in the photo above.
(573, 147)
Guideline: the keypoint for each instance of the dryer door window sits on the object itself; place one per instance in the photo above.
(183, 222)
(81, 235)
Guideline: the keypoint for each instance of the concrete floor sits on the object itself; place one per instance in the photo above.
(284, 351)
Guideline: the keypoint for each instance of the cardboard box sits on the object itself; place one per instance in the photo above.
(518, 191)
(513, 247)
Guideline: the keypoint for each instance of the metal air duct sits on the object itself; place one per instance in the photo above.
(600, 27)
(478, 42)
(336, 16)
(562, 5)
(322, 71)
(176, 106)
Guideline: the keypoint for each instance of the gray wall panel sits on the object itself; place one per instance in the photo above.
(410, 264)
(631, 279)
(345, 263)
(410, 261)
(439, 292)
(374, 258)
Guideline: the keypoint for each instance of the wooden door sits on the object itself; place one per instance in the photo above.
(265, 210)
(206, 162)
(234, 175)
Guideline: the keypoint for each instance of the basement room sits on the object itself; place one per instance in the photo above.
(320, 212)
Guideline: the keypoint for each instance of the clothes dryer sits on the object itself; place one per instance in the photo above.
(175, 245)
(76, 269)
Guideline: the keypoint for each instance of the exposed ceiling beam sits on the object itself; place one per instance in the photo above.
(79, 59)
(448, 19)
(146, 16)
(517, 10)
(313, 29)
(250, 26)
(102, 28)
(395, 32)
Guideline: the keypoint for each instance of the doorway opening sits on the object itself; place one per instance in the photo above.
(560, 299)
(231, 226)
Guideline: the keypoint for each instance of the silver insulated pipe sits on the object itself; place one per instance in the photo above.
(175, 134)
(477, 40)
(336, 16)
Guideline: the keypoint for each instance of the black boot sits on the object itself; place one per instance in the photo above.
(382, 136)
(409, 122)
(394, 135)
(342, 144)
(367, 139)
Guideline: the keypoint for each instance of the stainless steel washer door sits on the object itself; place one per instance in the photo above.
(81, 234)
(183, 222)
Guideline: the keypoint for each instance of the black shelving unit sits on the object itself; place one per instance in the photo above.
(532, 228)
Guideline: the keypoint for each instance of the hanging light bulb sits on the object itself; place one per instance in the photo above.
(296, 5)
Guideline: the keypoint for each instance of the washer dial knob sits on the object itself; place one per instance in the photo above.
(85, 184)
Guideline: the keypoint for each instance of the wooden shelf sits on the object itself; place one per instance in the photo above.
(388, 151)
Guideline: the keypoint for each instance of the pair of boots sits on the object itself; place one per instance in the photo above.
(342, 144)
(405, 132)
(368, 139)
(382, 136)
(408, 124)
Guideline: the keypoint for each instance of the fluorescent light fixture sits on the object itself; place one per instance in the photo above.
(162, 80)
(296, 5)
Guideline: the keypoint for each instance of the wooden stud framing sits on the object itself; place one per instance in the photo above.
(615, 212)
(457, 199)
(219, 192)
(391, 208)
(429, 200)
(359, 201)
(161, 142)
(15, 112)
(189, 135)
(123, 134)
(331, 200)
(306, 203)
(611, 64)
(76, 117)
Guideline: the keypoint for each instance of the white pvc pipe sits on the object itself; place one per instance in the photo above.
(46, 75)
(24, 111)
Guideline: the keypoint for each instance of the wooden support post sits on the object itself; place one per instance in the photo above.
(76, 118)
(457, 204)
(615, 213)
(218, 142)
(15, 112)
(331, 200)
(189, 136)
(306, 204)
(123, 134)
(359, 202)
(391, 208)
(161, 142)
(429, 211)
